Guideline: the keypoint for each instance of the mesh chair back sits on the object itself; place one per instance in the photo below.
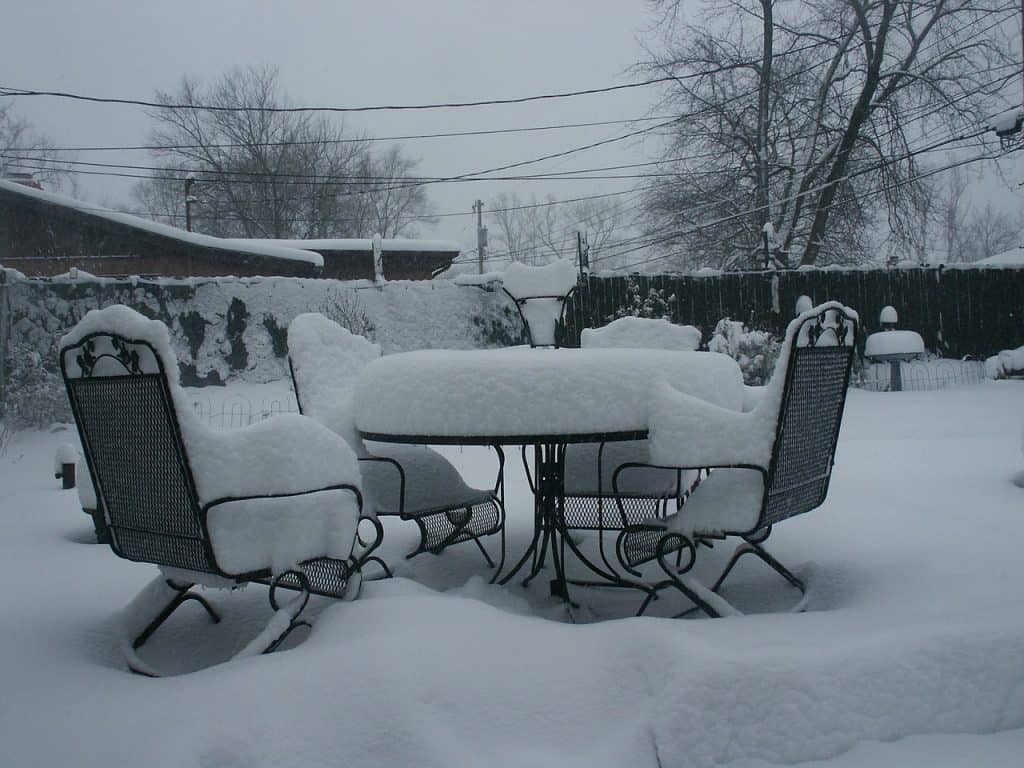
(817, 377)
(132, 442)
(543, 318)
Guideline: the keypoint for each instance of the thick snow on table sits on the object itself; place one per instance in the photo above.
(532, 392)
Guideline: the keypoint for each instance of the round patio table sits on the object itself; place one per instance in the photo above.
(545, 398)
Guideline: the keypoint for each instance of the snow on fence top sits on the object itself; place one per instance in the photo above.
(254, 247)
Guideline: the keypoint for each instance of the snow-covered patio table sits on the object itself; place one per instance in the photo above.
(546, 398)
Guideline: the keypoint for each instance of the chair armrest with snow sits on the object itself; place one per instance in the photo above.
(694, 434)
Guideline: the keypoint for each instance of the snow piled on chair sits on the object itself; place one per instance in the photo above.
(645, 332)
(284, 455)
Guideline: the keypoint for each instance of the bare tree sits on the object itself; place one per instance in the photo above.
(396, 202)
(810, 114)
(531, 231)
(25, 150)
(262, 172)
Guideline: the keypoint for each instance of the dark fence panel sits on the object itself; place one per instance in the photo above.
(959, 311)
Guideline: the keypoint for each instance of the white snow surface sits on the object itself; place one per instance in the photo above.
(554, 279)
(206, 241)
(907, 343)
(910, 654)
(642, 332)
(1012, 257)
(519, 391)
(289, 454)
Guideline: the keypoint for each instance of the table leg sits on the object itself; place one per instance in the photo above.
(549, 495)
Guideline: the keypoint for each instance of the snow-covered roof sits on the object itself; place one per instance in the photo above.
(357, 244)
(1012, 257)
(251, 247)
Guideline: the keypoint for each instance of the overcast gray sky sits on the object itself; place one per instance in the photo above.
(350, 53)
(347, 53)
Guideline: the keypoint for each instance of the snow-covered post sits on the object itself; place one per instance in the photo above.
(378, 259)
(64, 463)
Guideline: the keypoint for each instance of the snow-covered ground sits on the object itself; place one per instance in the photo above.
(911, 652)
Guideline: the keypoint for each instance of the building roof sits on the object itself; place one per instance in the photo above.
(365, 244)
(267, 249)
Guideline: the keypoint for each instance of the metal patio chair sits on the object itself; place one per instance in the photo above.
(411, 482)
(765, 466)
(540, 295)
(645, 492)
(207, 507)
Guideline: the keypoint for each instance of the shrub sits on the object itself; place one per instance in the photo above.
(755, 351)
(34, 394)
(344, 308)
(653, 304)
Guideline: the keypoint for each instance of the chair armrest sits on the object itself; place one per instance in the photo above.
(284, 455)
(401, 480)
(688, 432)
(249, 534)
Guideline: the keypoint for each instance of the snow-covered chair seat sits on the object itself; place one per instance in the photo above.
(766, 464)
(540, 294)
(278, 502)
(411, 482)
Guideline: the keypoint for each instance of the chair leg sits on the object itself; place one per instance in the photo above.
(150, 609)
(703, 598)
(284, 620)
(754, 547)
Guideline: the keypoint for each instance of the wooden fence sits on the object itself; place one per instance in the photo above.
(959, 311)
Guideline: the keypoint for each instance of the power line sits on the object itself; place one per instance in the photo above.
(13, 91)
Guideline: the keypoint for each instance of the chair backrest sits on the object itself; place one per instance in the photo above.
(324, 360)
(642, 332)
(821, 348)
(123, 408)
(540, 295)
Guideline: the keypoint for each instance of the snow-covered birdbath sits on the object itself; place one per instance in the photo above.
(893, 347)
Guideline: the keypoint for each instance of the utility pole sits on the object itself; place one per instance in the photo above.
(582, 253)
(481, 235)
(189, 199)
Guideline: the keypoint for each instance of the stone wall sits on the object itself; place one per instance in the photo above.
(237, 327)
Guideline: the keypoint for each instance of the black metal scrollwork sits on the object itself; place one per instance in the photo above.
(126, 356)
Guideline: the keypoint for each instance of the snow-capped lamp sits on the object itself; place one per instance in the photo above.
(803, 304)
(64, 463)
(888, 318)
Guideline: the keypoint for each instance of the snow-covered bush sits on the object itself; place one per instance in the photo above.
(652, 304)
(343, 307)
(755, 351)
(1006, 363)
(34, 394)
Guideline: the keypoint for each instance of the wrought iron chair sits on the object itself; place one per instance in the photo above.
(765, 466)
(412, 482)
(645, 492)
(277, 503)
(540, 295)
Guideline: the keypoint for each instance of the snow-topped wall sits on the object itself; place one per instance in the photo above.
(225, 328)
